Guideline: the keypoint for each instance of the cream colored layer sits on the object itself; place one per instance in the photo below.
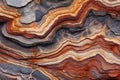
(80, 56)
(110, 3)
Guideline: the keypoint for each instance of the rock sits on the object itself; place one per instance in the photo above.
(39, 15)
(39, 76)
(114, 26)
(29, 18)
(18, 3)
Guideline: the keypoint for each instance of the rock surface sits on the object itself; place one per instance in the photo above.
(60, 40)
(18, 3)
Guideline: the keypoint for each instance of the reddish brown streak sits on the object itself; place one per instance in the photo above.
(99, 40)
(79, 70)
(10, 53)
(65, 19)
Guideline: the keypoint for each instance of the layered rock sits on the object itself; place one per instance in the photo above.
(59, 40)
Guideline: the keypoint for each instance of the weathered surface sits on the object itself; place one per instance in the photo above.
(60, 40)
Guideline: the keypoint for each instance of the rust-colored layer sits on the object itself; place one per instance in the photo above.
(93, 68)
(86, 6)
(87, 48)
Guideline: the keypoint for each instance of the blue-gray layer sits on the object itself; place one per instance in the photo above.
(51, 4)
(14, 70)
(114, 26)
(39, 76)
(53, 39)
(22, 72)
(35, 11)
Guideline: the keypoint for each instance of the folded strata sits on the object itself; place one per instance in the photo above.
(60, 40)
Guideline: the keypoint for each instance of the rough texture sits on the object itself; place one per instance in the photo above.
(60, 40)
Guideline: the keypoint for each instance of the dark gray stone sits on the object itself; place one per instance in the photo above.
(39, 76)
(114, 26)
(16, 69)
(39, 14)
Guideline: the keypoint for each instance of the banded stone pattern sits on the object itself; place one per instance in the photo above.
(59, 39)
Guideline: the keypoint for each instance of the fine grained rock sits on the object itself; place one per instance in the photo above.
(39, 15)
(114, 25)
(60, 40)
(18, 3)
(28, 18)
(38, 75)
(34, 11)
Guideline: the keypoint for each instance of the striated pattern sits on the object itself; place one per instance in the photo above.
(59, 40)
(110, 3)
